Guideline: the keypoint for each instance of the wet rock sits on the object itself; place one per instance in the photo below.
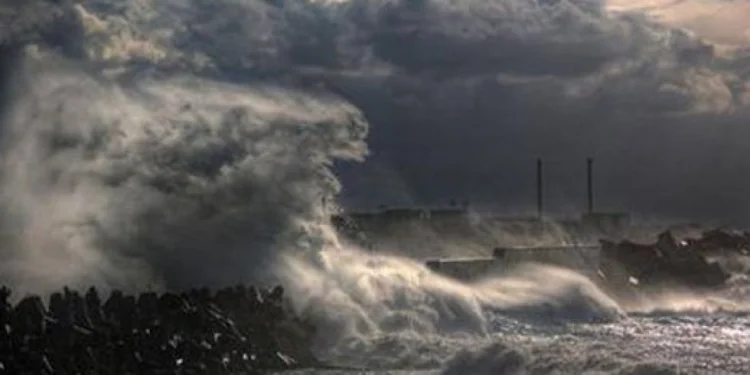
(719, 240)
(237, 330)
(664, 262)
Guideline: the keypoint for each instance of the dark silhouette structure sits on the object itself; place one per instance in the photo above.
(539, 189)
(672, 262)
(590, 184)
(240, 330)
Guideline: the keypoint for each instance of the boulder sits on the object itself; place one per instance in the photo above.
(664, 262)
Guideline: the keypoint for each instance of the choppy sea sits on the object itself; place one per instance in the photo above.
(655, 343)
(552, 323)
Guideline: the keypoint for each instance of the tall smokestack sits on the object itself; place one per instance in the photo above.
(590, 183)
(539, 188)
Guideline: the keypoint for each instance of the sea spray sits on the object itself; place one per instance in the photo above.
(366, 304)
(172, 181)
(378, 309)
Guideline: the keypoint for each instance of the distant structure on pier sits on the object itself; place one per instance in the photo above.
(590, 218)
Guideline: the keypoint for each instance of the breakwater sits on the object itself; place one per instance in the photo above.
(239, 330)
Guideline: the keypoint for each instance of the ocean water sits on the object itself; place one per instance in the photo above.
(673, 343)
(550, 321)
(659, 343)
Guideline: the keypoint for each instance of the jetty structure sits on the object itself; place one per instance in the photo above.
(590, 247)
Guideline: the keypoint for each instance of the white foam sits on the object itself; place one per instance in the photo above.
(361, 300)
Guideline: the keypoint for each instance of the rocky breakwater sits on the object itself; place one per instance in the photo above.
(239, 330)
(669, 263)
(721, 242)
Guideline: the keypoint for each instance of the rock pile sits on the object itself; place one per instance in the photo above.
(669, 261)
(239, 330)
(718, 240)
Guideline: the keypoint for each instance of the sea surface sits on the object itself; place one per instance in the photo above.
(675, 335)
(660, 343)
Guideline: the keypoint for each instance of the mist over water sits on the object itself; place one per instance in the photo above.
(163, 182)
(380, 310)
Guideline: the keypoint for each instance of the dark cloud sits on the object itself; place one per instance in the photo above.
(464, 95)
(488, 37)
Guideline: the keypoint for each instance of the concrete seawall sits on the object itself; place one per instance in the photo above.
(584, 259)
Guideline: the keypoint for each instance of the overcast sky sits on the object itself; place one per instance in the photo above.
(463, 96)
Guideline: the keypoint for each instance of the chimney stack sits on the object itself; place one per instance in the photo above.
(590, 183)
(539, 189)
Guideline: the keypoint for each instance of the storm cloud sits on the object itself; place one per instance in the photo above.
(462, 96)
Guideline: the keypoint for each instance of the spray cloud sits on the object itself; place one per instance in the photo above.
(177, 181)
